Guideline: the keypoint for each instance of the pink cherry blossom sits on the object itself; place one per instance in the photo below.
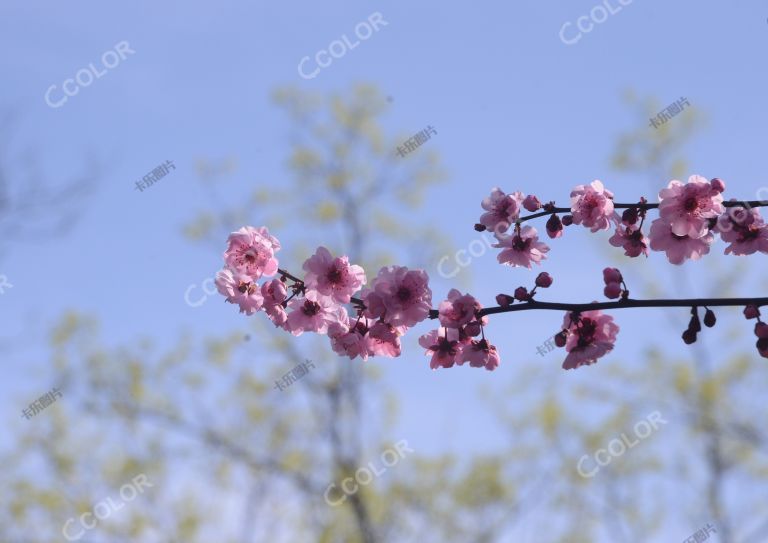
(592, 206)
(479, 354)
(521, 249)
(746, 231)
(443, 351)
(688, 207)
(384, 340)
(351, 343)
(333, 277)
(239, 289)
(592, 336)
(631, 239)
(251, 251)
(401, 297)
(274, 293)
(313, 313)
(678, 248)
(458, 310)
(502, 210)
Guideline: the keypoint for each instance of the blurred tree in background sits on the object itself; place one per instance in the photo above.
(232, 459)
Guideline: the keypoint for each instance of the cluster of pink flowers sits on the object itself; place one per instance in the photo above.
(690, 214)
(454, 343)
(396, 300)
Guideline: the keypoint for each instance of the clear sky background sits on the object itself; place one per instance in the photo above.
(512, 104)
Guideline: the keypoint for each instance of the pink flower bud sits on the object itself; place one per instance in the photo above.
(567, 220)
(612, 275)
(531, 203)
(543, 280)
(521, 293)
(554, 227)
(561, 338)
(504, 300)
(751, 312)
(612, 290)
(761, 330)
(717, 184)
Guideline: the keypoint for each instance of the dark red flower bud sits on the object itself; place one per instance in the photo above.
(761, 330)
(543, 280)
(472, 329)
(560, 338)
(629, 217)
(521, 293)
(531, 203)
(717, 184)
(480, 227)
(554, 226)
(709, 318)
(751, 312)
(695, 324)
(762, 347)
(567, 220)
(689, 336)
(504, 300)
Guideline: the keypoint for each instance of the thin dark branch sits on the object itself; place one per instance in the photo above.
(551, 210)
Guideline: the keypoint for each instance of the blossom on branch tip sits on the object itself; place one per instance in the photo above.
(251, 251)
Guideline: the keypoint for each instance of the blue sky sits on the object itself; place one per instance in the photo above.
(513, 106)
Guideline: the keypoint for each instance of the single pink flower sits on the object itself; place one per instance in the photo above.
(251, 251)
(239, 289)
(333, 277)
(384, 340)
(521, 248)
(443, 351)
(351, 343)
(274, 293)
(502, 210)
(678, 248)
(458, 310)
(401, 297)
(592, 336)
(479, 354)
(313, 313)
(688, 207)
(592, 206)
(745, 230)
(631, 239)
